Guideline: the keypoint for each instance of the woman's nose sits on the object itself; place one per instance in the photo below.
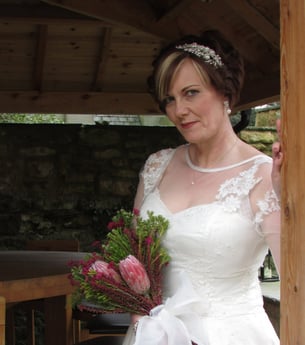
(180, 108)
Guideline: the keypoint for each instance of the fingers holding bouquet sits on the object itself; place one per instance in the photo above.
(277, 156)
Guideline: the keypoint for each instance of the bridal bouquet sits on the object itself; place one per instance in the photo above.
(125, 273)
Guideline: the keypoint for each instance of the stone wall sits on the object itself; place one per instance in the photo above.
(65, 181)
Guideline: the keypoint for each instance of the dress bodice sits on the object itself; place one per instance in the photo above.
(216, 250)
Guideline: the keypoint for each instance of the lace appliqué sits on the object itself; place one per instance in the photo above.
(266, 206)
(154, 167)
(232, 192)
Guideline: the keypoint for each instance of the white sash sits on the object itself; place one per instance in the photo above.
(175, 322)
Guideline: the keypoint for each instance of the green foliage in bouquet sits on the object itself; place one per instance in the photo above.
(125, 274)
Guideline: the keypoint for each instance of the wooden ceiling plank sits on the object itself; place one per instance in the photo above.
(102, 59)
(142, 16)
(40, 56)
(255, 19)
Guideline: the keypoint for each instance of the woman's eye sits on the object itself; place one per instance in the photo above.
(167, 100)
(191, 92)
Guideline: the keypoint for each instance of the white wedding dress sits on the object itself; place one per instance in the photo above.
(220, 245)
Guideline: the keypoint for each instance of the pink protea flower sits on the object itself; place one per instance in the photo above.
(134, 274)
(106, 270)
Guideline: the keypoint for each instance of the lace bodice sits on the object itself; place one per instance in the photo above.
(232, 195)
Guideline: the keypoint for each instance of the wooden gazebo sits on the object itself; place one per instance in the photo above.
(76, 56)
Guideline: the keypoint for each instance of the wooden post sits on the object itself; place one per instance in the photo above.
(293, 172)
(2, 320)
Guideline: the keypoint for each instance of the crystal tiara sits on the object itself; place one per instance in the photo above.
(203, 52)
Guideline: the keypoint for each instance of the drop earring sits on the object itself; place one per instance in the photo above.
(227, 107)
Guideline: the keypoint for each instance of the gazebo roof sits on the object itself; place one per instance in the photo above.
(76, 56)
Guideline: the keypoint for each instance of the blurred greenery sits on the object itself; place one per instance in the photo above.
(31, 118)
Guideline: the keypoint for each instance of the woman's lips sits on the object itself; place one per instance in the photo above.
(187, 125)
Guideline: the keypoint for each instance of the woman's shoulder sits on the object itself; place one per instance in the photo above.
(159, 158)
(251, 154)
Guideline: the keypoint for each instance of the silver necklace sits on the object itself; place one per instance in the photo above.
(208, 170)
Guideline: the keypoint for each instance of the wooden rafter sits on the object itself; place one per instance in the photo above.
(42, 37)
(214, 18)
(257, 21)
(142, 16)
(102, 59)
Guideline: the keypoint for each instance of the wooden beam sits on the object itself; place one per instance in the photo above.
(175, 10)
(255, 19)
(2, 320)
(54, 21)
(259, 92)
(293, 190)
(120, 103)
(256, 102)
(40, 56)
(77, 103)
(102, 102)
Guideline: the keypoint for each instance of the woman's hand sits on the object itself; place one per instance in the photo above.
(135, 320)
(277, 156)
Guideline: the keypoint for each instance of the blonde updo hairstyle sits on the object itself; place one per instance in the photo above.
(226, 79)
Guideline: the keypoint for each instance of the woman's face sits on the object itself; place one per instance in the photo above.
(195, 108)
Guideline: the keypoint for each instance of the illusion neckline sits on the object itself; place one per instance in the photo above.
(207, 170)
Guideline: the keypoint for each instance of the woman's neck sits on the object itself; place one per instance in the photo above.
(212, 155)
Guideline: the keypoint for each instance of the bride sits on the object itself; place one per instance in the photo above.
(217, 193)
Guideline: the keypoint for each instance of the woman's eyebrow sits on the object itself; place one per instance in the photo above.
(191, 85)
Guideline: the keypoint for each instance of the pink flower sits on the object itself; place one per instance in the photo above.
(96, 244)
(136, 212)
(111, 225)
(149, 240)
(106, 270)
(134, 274)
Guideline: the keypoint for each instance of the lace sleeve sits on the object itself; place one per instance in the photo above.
(269, 204)
(267, 216)
(152, 172)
